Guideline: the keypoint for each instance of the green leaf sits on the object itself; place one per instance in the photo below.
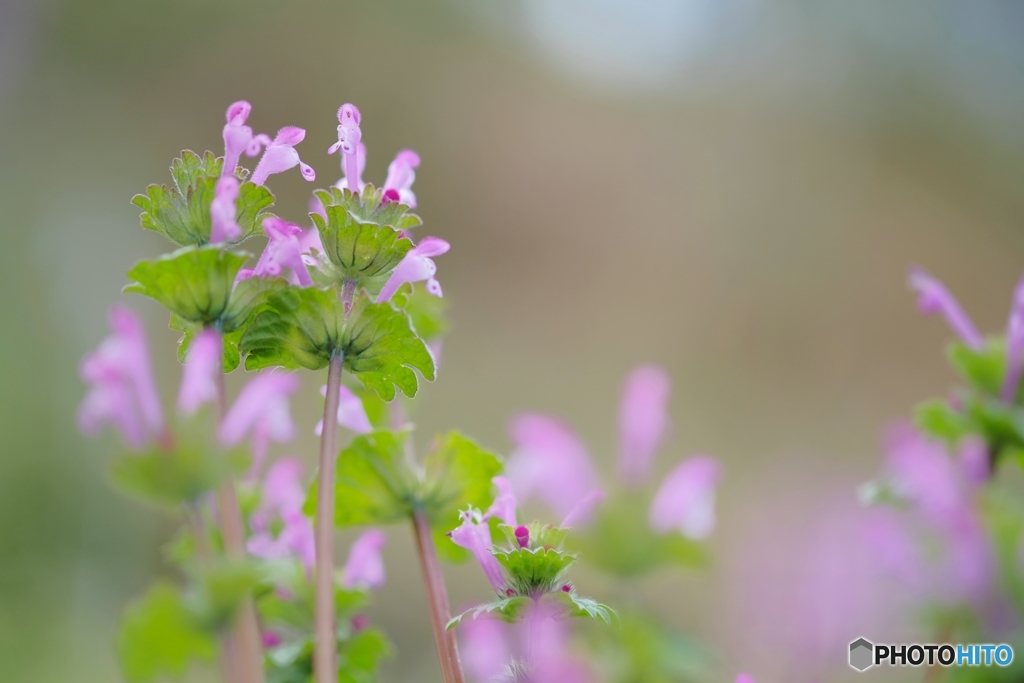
(983, 369)
(620, 541)
(940, 420)
(532, 571)
(158, 636)
(374, 482)
(220, 591)
(182, 212)
(426, 311)
(195, 283)
(185, 474)
(577, 606)
(508, 609)
(360, 655)
(359, 251)
(305, 327)
(368, 207)
(458, 475)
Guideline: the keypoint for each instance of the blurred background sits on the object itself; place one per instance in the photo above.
(732, 188)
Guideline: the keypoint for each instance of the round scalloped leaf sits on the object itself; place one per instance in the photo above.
(368, 207)
(359, 251)
(533, 571)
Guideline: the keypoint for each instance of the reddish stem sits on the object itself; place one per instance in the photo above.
(437, 601)
(325, 667)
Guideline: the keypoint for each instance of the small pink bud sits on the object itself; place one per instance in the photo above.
(522, 536)
(360, 622)
(271, 639)
(566, 588)
(509, 592)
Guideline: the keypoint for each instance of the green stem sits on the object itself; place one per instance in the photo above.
(243, 645)
(325, 667)
(437, 601)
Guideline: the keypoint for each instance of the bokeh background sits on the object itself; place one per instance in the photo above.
(732, 188)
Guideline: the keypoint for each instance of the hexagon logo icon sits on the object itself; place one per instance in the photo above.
(861, 654)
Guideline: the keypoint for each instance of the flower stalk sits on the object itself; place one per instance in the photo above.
(324, 656)
(437, 600)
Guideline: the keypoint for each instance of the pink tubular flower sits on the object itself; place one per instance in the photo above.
(365, 567)
(199, 381)
(401, 175)
(484, 648)
(548, 460)
(349, 136)
(475, 536)
(261, 410)
(121, 387)
(583, 511)
(415, 267)
(222, 211)
(643, 421)
(1014, 345)
(283, 251)
(280, 156)
(351, 413)
(685, 502)
(360, 167)
(933, 297)
(283, 495)
(238, 137)
(504, 505)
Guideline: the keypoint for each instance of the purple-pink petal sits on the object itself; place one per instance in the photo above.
(351, 412)
(283, 251)
(238, 137)
(1014, 345)
(745, 678)
(280, 156)
(199, 379)
(933, 297)
(283, 495)
(122, 391)
(401, 175)
(416, 267)
(475, 536)
(685, 502)
(549, 461)
(349, 137)
(504, 505)
(365, 566)
(643, 421)
(261, 410)
(222, 211)
(484, 647)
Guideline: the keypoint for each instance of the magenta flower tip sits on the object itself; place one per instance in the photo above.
(360, 622)
(348, 115)
(522, 536)
(237, 113)
(290, 136)
(933, 297)
(566, 588)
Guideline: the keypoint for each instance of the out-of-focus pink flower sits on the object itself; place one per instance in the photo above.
(643, 421)
(933, 297)
(583, 511)
(238, 137)
(222, 211)
(202, 365)
(1014, 345)
(349, 137)
(351, 413)
(685, 502)
(484, 649)
(280, 156)
(745, 678)
(401, 175)
(417, 265)
(504, 505)
(365, 566)
(475, 536)
(261, 410)
(271, 638)
(548, 654)
(122, 391)
(283, 495)
(549, 461)
(283, 251)
(922, 471)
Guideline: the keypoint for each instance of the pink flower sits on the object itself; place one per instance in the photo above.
(685, 502)
(365, 567)
(261, 410)
(548, 460)
(401, 175)
(643, 421)
(475, 536)
(415, 267)
(933, 297)
(504, 505)
(283, 495)
(121, 387)
(222, 211)
(745, 678)
(349, 136)
(283, 251)
(203, 364)
(238, 137)
(1014, 345)
(484, 648)
(280, 156)
(583, 511)
(360, 168)
(351, 413)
